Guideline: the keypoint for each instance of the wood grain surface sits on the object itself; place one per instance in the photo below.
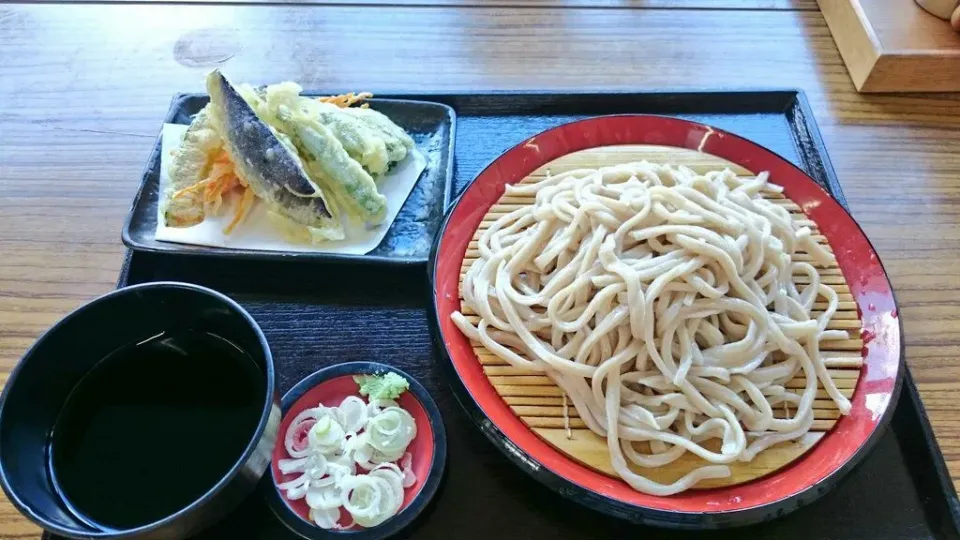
(83, 90)
(894, 46)
(751, 5)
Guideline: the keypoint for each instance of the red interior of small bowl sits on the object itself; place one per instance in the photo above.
(330, 393)
(856, 257)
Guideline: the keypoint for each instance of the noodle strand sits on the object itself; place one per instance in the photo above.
(665, 306)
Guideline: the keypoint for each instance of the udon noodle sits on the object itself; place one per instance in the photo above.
(665, 305)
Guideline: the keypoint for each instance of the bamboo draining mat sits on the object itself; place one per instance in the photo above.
(539, 402)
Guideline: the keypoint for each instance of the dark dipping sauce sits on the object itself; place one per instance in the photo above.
(154, 426)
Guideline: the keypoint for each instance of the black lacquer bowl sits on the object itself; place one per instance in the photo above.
(41, 383)
(428, 450)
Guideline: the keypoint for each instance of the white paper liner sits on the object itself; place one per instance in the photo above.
(257, 233)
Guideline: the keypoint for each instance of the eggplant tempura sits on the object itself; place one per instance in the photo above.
(308, 160)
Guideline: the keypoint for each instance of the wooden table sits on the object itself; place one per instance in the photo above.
(83, 89)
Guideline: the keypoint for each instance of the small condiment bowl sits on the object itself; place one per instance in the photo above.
(37, 389)
(428, 449)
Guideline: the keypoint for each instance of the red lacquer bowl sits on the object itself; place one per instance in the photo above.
(789, 488)
(428, 449)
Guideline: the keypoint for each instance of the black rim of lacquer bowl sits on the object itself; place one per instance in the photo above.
(197, 506)
(408, 514)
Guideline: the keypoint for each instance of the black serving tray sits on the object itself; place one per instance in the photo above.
(407, 241)
(314, 316)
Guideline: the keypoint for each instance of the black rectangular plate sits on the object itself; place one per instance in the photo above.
(433, 128)
(315, 316)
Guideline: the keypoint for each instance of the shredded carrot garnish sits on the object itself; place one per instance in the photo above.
(225, 181)
(221, 179)
(346, 100)
(222, 157)
(246, 203)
